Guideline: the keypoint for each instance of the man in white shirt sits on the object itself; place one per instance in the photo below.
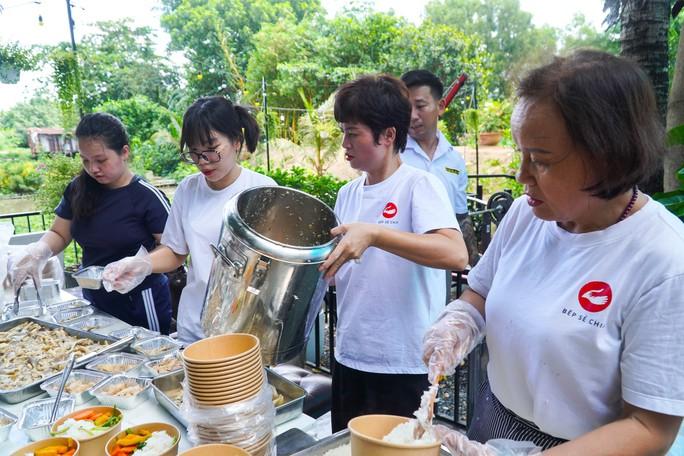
(428, 149)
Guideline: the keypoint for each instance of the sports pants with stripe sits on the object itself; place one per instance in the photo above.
(148, 305)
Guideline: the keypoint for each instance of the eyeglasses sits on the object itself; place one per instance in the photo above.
(209, 156)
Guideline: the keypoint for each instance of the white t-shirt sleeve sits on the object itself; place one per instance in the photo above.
(652, 363)
(430, 206)
(174, 235)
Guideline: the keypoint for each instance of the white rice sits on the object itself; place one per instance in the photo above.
(344, 450)
(156, 444)
(78, 429)
(403, 434)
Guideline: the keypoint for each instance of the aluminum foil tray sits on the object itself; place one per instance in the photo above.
(7, 420)
(152, 366)
(33, 389)
(138, 332)
(335, 441)
(35, 416)
(68, 315)
(129, 363)
(97, 324)
(102, 391)
(91, 377)
(69, 305)
(90, 277)
(156, 347)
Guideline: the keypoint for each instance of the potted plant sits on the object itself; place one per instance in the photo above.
(13, 59)
(494, 118)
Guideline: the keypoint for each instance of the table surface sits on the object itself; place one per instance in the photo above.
(146, 412)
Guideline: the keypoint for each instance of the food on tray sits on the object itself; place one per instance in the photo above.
(113, 368)
(30, 352)
(176, 395)
(4, 421)
(56, 450)
(155, 351)
(123, 390)
(166, 365)
(77, 386)
(143, 443)
(87, 424)
(344, 450)
(277, 398)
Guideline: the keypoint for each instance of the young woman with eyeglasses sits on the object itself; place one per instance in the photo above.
(110, 212)
(213, 135)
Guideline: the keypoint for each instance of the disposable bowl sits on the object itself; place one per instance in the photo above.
(35, 446)
(93, 446)
(152, 427)
(367, 432)
(215, 449)
(221, 348)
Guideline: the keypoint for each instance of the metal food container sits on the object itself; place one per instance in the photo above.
(169, 393)
(35, 417)
(91, 377)
(138, 332)
(103, 391)
(7, 420)
(68, 315)
(127, 362)
(156, 367)
(33, 389)
(90, 277)
(69, 305)
(98, 324)
(264, 278)
(49, 291)
(156, 347)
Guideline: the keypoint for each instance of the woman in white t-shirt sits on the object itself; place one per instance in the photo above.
(214, 132)
(582, 287)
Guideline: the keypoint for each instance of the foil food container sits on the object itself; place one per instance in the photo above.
(69, 305)
(90, 277)
(156, 367)
(137, 332)
(49, 291)
(7, 420)
(69, 315)
(156, 347)
(35, 416)
(92, 377)
(106, 397)
(96, 324)
(127, 363)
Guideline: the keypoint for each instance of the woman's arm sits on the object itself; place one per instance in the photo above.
(165, 260)
(59, 235)
(638, 432)
(442, 248)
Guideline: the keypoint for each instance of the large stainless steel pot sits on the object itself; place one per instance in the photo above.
(264, 278)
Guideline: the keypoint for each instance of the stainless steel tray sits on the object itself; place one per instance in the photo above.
(334, 441)
(33, 389)
(292, 408)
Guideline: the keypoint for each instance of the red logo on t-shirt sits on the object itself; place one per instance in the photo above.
(595, 296)
(390, 210)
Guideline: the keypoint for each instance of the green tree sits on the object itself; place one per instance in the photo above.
(141, 116)
(216, 36)
(36, 112)
(581, 34)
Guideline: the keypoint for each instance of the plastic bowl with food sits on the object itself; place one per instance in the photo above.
(57, 446)
(156, 347)
(92, 427)
(158, 439)
(78, 385)
(7, 420)
(121, 391)
(35, 416)
(116, 363)
(90, 277)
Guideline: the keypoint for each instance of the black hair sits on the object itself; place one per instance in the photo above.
(609, 109)
(379, 102)
(86, 191)
(419, 78)
(218, 114)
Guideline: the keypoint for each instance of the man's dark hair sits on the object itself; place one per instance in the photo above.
(419, 78)
(379, 102)
(609, 109)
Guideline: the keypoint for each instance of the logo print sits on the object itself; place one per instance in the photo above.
(595, 296)
(390, 210)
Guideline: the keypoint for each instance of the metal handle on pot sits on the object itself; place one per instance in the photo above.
(219, 253)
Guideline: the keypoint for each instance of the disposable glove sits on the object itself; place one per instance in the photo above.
(446, 344)
(127, 273)
(28, 262)
(460, 444)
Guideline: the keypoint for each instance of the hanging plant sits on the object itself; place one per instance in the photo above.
(67, 79)
(14, 59)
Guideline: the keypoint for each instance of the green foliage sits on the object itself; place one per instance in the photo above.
(320, 130)
(9, 139)
(19, 177)
(141, 116)
(581, 34)
(162, 158)
(674, 200)
(323, 187)
(57, 171)
(37, 112)
(494, 115)
(67, 78)
(13, 55)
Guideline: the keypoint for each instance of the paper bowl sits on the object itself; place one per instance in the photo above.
(93, 446)
(226, 382)
(215, 449)
(35, 446)
(367, 432)
(220, 349)
(152, 427)
(230, 367)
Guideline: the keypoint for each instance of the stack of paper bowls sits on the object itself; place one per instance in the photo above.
(222, 372)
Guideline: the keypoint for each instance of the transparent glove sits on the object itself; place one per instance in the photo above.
(28, 262)
(127, 273)
(460, 444)
(448, 341)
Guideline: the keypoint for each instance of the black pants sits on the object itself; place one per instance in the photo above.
(356, 393)
(491, 420)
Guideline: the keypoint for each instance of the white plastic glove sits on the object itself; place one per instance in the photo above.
(127, 273)
(449, 340)
(460, 444)
(28, 262)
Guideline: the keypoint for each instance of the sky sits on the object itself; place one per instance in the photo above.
(19, 22)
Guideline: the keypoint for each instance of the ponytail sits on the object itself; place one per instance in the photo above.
(250, 128)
